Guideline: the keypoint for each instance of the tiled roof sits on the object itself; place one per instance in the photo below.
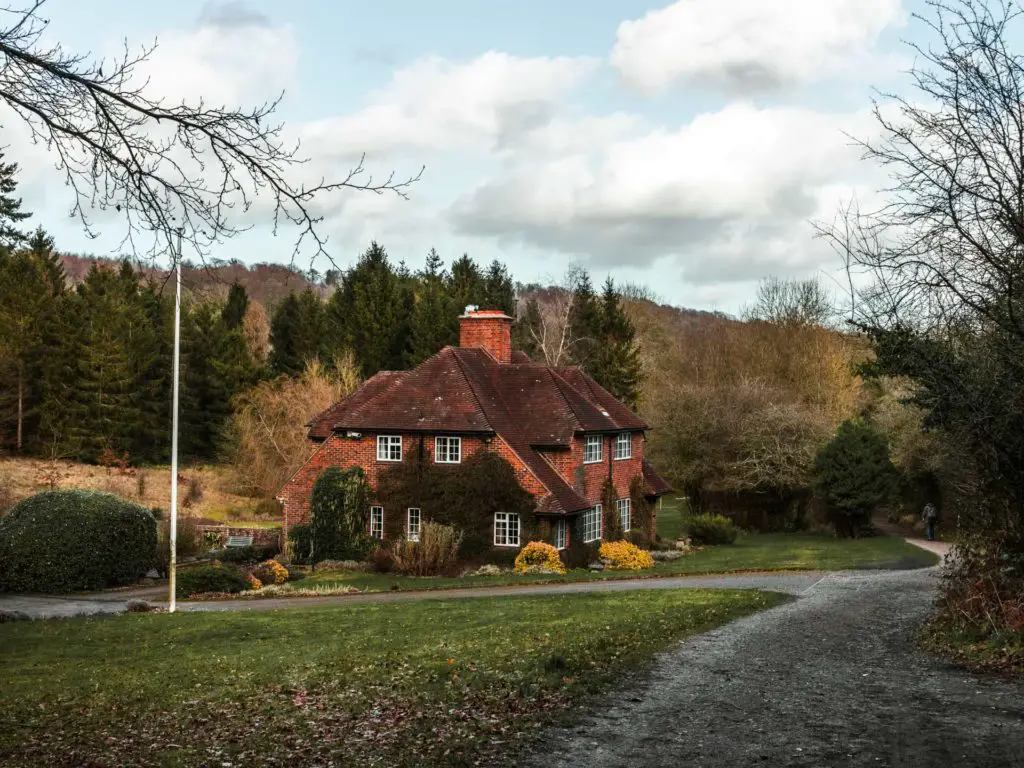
(491, 386)
(655, 484)
(321, 425)
(434, 397)
(620, 415)
(466, 390)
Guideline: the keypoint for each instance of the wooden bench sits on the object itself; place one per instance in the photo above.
(239, 541)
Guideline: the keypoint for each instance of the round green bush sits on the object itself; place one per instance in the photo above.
(710, 529)
(210, 578)
(66, 541)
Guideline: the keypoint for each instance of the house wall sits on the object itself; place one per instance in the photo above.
(588, 479)
(345, 453)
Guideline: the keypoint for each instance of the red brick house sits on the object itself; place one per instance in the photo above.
(561, 432)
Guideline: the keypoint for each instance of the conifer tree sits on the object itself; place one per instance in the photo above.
(585, 322)
(10, 206)
(370, 313)
(41, 246)
(298, 333)
(216, 367)
(522, 336)
(499, 291)
(153, 364)
(236, 306)
(104, 407)
(467, 285)
(615, 363)
(431, 325)
(24, 300)
(61, 368)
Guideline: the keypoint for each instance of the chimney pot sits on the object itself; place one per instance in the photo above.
(487, 329)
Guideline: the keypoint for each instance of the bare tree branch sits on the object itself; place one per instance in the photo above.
(163, 167)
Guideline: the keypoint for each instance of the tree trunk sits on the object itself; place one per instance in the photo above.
(21, 403)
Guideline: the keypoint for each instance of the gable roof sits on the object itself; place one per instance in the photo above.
(654, 484)
(618, 413)
(433, 397)
(321, 425)
(465, 390)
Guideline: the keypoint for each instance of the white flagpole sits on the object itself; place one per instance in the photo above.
(174, 435)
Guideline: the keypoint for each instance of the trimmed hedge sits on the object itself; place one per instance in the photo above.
(243, 555)
(210, 578)
(67, 541)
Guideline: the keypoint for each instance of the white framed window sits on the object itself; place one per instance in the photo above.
(623, 446)
(592, 448)
(389, 447)
(625, 508)
(377, 522)
(447, 450)
(412, 526)
(506, 529)
(561, 534)
(593, 523)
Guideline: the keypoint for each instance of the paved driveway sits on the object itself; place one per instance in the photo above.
(831, 679)
(115, 602)
(793, 583)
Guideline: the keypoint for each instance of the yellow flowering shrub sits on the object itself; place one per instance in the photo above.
(271, 572)
(625, 556)
(254, 583)
(539, 557)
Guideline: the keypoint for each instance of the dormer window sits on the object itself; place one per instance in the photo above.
(592, 449)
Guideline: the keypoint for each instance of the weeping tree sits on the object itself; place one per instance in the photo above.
(167, 168)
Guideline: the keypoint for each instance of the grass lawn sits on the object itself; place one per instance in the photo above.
(755, 552)
(421, 683)
(670, 516)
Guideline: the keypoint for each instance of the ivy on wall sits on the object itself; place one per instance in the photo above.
(464, 495)
(612, 523)
(339, 515)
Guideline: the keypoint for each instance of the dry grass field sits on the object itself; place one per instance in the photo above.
(203, 491)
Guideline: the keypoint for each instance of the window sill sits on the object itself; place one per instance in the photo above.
(446, 462)
(507, 546)
(623, 458)
(592, 461)
(389, 461)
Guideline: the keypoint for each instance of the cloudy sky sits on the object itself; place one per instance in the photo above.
(686, 146)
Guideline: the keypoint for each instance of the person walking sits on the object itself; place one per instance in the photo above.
(930, 516)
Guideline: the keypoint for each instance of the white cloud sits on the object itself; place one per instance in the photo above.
(229, 59)
(728, 190)
(748, 46)
(434, 104)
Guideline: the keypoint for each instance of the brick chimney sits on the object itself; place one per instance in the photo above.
(487, 329)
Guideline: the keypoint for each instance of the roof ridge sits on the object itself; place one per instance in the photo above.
(556, 379)
(525, 452)
(470, 383)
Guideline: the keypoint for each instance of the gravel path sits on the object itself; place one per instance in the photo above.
(831, 679)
